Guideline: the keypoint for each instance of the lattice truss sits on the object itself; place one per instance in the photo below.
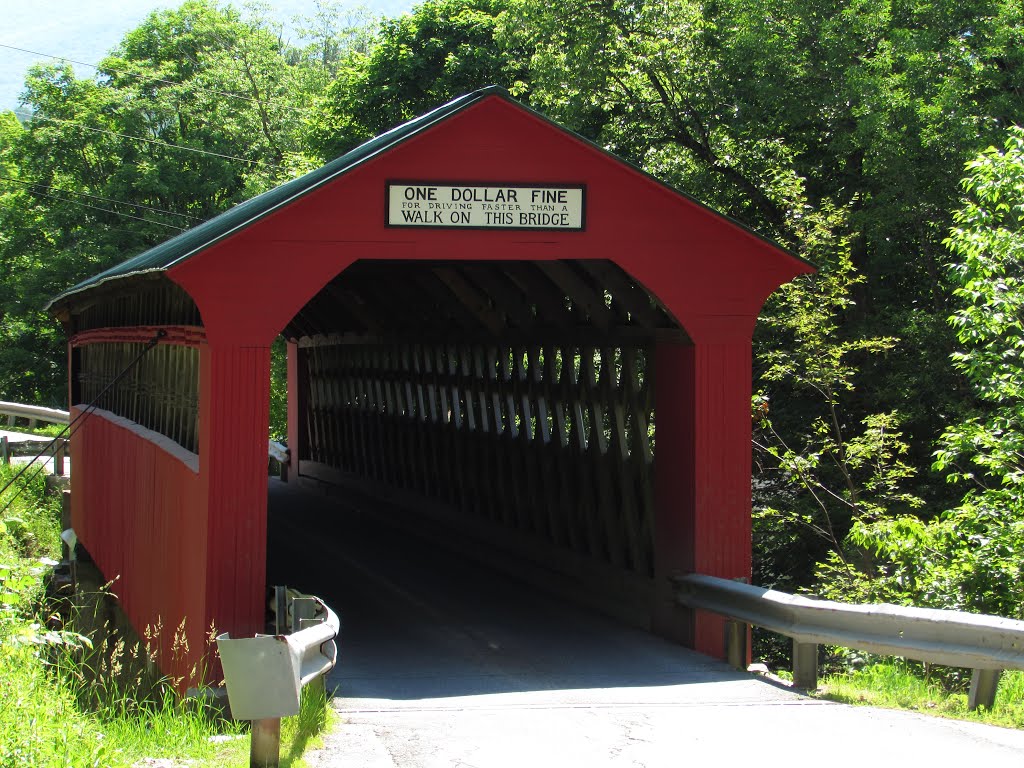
(161, 392)
(552, 440)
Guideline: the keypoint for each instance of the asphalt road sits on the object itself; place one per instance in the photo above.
(444, 663)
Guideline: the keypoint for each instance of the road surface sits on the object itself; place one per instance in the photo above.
(444, 663)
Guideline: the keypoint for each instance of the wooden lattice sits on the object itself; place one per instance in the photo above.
(551, 440)
(161, 392)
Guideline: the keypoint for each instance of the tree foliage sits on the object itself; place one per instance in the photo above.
(972, 557)
(197, 109)
(419, 61)
(835, 123)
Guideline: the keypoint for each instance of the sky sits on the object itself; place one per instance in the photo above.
(86, 30)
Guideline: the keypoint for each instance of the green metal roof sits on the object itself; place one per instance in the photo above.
(198, 238)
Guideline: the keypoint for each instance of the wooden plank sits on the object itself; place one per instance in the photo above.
(549, 301)
(625, 293)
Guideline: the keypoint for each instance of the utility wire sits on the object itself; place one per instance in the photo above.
(154, 141)
(138, 76)
(107, 210)
(98, 197)
(85, 414)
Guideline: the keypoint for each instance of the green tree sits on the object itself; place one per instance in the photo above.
(443, 49)
(971, 558)
(778, 112)
(197, 109)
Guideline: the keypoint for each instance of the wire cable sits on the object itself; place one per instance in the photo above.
(85, 413)
(155, 141)
(98, 197)
(107, 210)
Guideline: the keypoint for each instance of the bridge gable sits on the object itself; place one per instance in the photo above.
(280, 261)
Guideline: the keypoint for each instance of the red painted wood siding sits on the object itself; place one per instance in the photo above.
(138, 510)
(249, 285)
(234, 408)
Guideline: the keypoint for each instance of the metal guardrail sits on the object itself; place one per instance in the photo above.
(985, 644)
(33, 413)
(265, 674)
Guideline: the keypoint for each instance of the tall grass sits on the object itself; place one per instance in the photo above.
(66, 701)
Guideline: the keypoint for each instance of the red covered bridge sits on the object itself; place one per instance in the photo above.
(486, 315)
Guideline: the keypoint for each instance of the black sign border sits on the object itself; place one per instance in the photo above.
(497, 184)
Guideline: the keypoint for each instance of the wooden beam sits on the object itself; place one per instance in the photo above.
(472, 299)
(581, 294)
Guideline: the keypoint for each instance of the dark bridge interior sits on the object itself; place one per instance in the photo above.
(511, 401)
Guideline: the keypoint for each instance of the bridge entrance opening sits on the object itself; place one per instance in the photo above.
(506, 407)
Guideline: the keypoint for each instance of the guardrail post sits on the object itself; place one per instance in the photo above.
(5, 450)
(280, 610)
(805, 665)
(304, 615)
(984, 683)
(58, 459)
(736, 643)
(265, 747)
(266, 675)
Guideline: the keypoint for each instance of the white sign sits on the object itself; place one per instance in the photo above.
(485, 206)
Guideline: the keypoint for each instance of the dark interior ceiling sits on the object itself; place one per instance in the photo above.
(594, 301)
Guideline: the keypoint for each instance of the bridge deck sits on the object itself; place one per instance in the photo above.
(444, 663)
(422, 624)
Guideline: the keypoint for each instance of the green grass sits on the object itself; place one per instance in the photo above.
(56, 712)
(896, 686)
(43, 430)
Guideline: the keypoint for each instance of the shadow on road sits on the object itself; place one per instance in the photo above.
(419, 622)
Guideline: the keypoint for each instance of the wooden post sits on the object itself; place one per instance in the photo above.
(297, 388)
(805, 665)
(58, 458)
(701, 477)
(984, 683)
(65, 523)
(265, 747)
(234, 411)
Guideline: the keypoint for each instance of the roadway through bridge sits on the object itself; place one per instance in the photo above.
(445, 663)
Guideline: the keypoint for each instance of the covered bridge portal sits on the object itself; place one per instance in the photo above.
(486, 316)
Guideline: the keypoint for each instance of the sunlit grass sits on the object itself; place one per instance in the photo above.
(896, 686)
